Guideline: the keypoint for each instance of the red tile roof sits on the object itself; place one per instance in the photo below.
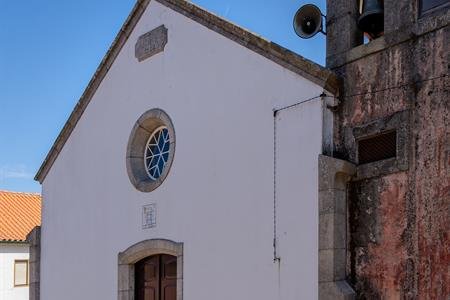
(19, 214)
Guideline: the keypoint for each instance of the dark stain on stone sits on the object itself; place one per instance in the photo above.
(403, 214)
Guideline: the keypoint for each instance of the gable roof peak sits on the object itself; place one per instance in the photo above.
(272, 51)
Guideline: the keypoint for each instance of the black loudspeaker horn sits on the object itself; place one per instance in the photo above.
(308, 21)
(372, 17)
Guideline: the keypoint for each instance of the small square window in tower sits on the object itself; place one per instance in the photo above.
(379, 147)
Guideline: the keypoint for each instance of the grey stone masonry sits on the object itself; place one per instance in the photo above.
(34, 239)
(333, 177)
(151, 43)
(399, 122)
(143, 129)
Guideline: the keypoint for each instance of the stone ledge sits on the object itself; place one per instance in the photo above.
(333, 173)
(336, 290)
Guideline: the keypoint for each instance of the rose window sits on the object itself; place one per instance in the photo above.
(150, 150)
(157, 152)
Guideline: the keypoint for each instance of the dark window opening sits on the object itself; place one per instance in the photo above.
(379, 147)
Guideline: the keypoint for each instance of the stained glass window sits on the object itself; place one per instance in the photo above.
(157, 152)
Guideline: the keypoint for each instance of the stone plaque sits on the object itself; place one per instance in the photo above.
(148, 216)
(151, 43)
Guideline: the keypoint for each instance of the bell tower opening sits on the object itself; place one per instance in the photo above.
(371, 18)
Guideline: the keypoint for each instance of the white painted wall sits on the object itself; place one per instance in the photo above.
(9, 253)
(296, 199)
(218, 196)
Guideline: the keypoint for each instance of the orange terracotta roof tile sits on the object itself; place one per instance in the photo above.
(19, 214)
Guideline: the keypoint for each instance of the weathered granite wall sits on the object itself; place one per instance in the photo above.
(34, 239)
(398, 216)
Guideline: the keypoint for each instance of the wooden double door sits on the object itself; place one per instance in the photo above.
(156, 278)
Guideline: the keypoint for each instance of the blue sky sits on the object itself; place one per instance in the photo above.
(49, 49)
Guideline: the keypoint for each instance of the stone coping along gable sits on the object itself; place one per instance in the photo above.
(282, 56)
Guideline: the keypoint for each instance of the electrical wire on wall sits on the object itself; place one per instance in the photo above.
(276, 256)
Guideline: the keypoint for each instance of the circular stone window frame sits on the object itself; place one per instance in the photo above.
(142, 130)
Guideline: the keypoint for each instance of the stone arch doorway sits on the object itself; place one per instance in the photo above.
(159, 254)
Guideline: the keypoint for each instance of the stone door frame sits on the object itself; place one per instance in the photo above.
(143, 249)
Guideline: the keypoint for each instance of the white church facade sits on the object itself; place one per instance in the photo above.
(190, 169)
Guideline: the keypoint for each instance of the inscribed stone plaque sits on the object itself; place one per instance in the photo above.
(148, 216)
(151, 43)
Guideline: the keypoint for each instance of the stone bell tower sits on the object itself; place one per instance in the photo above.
(394, 125)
